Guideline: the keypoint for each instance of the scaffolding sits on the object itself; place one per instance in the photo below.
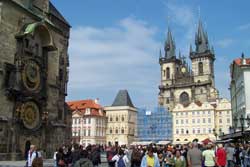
(154, 125)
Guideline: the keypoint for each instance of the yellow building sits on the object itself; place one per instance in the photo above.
(201, 121)
(122, 118)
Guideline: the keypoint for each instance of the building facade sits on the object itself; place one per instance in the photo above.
(33, 75)
(122, 118)
(179, 82)
(88, 122)
(155, 125)
(190, 93)
(201, 121)
(240, 90)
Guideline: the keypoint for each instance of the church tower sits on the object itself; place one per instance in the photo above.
(202, 58)
(169, 67)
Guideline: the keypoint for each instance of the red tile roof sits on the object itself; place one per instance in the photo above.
(82, 105)
(238, 61)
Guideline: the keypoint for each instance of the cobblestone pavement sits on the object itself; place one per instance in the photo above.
(46, 163)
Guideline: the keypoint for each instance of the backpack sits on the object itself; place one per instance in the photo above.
(121, 162)
(38, 161)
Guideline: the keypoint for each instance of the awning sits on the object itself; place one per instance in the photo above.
(164, 142)
(141, 143)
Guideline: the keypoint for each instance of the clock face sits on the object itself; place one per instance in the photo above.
(183, 70)
(30, 115)
(31, 75)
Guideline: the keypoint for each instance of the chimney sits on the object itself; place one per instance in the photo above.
(97, 101)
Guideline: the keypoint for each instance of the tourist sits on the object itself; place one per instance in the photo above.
(209, 156)
(179, 160)
(150, 160)
(230, 155)
(121, 159)
(60, 158)
(96, 156)
(194, 156)
(110, 151)
(75, 154)
(136, 158)
(83, 161)
(221, 156)
(32, 155)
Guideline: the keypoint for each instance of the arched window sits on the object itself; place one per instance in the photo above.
(186, 140)
(200, 68)
(122, 131)
(110, 119)
(184, 98)
(110, 131)
(177, 139)
(122, 118)
(167, 73)
(117, 119)
(116, 131)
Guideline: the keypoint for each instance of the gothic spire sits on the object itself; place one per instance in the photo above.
(169, 46)
(201, 39)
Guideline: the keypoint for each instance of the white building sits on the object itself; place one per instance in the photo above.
(88, 122)
(240, 89)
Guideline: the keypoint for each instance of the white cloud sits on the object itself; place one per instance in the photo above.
(244, 27)
(224, 43)
(123, 56)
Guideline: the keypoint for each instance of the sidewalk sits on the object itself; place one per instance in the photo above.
(46, 163)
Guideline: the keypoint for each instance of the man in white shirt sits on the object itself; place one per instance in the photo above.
(32, 154)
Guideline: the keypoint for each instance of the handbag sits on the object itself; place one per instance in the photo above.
(61, 162)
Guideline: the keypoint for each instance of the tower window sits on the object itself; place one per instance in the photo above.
(167, 73)
(184, 98)
(200, 68)
(164, 73)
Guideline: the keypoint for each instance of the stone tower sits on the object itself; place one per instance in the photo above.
(33, 78)
(180, 83)
(202, 58)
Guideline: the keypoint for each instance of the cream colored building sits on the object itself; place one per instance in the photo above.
(88, 122)
(122, 118)
(201, 121)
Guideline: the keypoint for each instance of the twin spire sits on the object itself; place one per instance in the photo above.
(201, 42)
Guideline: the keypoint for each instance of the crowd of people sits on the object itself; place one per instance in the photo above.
(188, 155)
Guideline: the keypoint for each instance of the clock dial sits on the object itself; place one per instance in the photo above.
(31, 75)
(183, 70)
(30, 115)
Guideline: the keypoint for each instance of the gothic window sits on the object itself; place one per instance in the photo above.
(110, 131)
(200, 68)
(122, 131)
(164, 73)
(117, 119)
(184, 98)
(116, 131)
(167, 73)
(110, 119)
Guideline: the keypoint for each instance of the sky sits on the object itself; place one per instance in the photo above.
(114, 44)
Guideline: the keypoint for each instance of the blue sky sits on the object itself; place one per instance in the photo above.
(115, 44)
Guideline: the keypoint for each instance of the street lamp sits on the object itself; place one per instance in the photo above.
(215, 133)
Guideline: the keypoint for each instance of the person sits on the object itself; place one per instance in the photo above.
(32, 155)
(209, 156)
(96, 156)
(179, 161)
(221, 156)
(136, 158)
(110, 154)
(230, 155)
(60, 159)
(150, 159)
(83, 161)
(194, 156)
(75, 155)
(121, 160)
(54, 158)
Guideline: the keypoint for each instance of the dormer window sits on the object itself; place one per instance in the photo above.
(87, 111)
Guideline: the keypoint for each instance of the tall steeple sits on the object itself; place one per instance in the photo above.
(169, 46)
(201, 39)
